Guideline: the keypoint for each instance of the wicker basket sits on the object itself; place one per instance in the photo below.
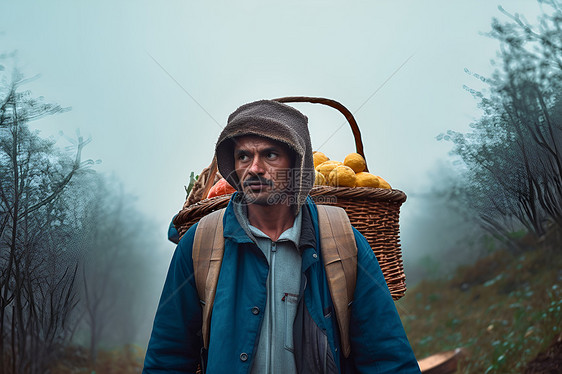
(372, 211)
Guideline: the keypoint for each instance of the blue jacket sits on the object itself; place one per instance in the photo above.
(378, 341)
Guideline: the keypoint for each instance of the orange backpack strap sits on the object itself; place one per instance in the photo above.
(339, 252)
(207, 254)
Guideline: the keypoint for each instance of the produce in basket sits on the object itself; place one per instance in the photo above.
(221, 188)
(366, 180)
(383, 183)
(350, 173)
(326, 167)
(355, 161)
(319, 158)
(342, 176)
(319, 179)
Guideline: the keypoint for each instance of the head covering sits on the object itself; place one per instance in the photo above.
(276, 121)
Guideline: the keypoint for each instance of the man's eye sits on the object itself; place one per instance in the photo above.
(272, 155)
(243, 157)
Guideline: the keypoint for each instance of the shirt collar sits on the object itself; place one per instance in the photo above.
(233, 226)
(291, 234)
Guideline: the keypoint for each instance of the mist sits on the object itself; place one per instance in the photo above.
(148, 87)
(436, 235)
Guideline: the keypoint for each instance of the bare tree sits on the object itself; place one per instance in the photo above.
(513, 155)
(37, 279)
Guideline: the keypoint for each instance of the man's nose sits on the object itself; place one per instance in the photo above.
(257, 166)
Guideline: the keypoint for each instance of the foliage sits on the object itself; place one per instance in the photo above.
(504, 309)
(37, 293)
(512, 176)
(192, 179)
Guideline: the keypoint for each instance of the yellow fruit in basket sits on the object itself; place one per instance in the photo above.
(364, 179)
(327, 166)
(355, 161)
(319, 179)
(342, 176)
(383, 183)
(319, 158)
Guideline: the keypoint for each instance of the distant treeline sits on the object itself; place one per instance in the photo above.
(72, 260)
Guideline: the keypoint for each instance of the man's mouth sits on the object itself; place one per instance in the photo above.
(257, 187)
(257, 184)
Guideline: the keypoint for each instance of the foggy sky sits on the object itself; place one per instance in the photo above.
(152, 83)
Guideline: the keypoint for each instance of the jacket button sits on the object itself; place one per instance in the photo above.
(314, 255)
(243, 356)
(255, 310)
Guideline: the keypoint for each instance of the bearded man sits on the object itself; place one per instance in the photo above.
(272, 311)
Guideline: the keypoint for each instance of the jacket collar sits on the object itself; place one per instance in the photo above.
(309, 226)
(232, 228)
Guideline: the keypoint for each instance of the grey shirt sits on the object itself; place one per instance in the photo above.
(275, 347)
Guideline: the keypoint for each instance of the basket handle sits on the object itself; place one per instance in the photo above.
(302, 99)
(336, 105)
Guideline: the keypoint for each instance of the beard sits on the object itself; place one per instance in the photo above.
(268, 194)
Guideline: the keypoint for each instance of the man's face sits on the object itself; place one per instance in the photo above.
(263, 168)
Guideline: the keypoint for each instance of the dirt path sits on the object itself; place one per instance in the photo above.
(549, 361)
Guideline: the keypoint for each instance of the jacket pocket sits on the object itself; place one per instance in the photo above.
(290, 302)
(313, 354)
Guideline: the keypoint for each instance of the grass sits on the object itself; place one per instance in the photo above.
(127, 359)
(504, 310)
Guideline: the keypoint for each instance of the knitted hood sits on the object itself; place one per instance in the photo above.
(276, 121)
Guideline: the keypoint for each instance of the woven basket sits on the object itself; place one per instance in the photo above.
(372, 211)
